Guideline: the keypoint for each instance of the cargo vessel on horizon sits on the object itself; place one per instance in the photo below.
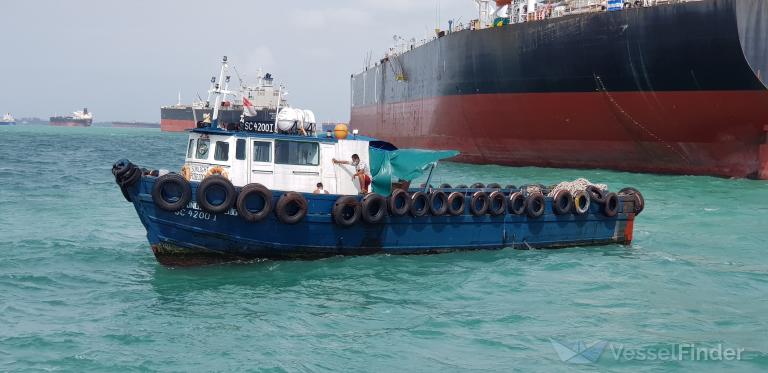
(77, 119)
(673, 87)
(254, 103)
(7, 120)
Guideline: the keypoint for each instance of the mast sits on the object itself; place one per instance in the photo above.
(220, 93)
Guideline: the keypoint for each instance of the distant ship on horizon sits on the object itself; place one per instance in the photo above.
(77, 119)
(7, 120)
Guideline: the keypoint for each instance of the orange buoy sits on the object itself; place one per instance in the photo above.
(341, 131)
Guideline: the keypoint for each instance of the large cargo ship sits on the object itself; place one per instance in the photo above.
(257, 102)
(77, 119)
(678, 87)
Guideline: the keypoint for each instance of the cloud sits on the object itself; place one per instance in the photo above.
(324, 19)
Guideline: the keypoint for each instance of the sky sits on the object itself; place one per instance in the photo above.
(125, 59)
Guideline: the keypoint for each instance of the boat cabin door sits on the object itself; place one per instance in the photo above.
(262, 167)
(297, 165)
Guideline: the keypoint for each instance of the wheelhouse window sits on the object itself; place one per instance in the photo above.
(300, 153)
(240, 149)
(191, 148)
(262, 151)
(203, 146)
(222, 151)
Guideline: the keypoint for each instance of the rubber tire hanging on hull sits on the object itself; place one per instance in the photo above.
(211, 182)
(438, 203)
(456, 203)
(479, 203)
(346, 211)
(497, 203)
(374, 208)
(611, 205)
(516, 203)
(158, 195)
(535, 205)
(242, 202)
(562, 203)
(286, 201)
(637, 197)
(399, 202)
(419, 204)
(578, 207)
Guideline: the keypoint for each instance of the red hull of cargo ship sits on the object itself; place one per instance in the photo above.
(700, 133)
(176, 125)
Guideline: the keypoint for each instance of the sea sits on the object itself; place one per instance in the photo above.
(81, 292)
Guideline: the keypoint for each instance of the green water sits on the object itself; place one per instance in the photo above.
(80, 290)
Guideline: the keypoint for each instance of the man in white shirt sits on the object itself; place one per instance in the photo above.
(362, 172)
(320, 189)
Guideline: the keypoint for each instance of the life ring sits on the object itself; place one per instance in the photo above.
(217, 170)
(171, 192)
(216, 194)
(478, 205)
(596, 194)
(611, 205)
(516, 203)
(456, 203)
(477, 186)
(247, 193)
(581, 202)
(438, 203)
(637, 198)
(291, 208)
(186, 172)
(497, 203)
(535, 205)
(374, 208)
(419, 204)
(346, 211)
(562, 203)
(399, 202)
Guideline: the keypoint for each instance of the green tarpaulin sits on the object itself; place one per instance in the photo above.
(401, 164)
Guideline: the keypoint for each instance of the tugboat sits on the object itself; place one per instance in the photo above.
(77, 119)
(7, 120)
(285, 190)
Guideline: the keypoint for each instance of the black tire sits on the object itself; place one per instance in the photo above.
(493, 186)
(581, 203)
(445, 186)
(479, 203)
(254, 190)
(419, 204)
(510, 188)
(438, 203)
(456, 204)
(399, 203)
(374, 208)
(596, 194)
(161, 191)
(497, 203)
(477, 186)
(346, 211)
(516, 203)
(211, 183)
(535, 205)
(291, 208)
(121, 167)
(131, 177)
(611, 205)
(562, 203)
(461, 186)
(638, 198)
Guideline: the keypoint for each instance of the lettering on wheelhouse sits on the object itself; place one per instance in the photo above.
(259, 127)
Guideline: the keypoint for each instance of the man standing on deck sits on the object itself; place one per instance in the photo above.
(362, 171)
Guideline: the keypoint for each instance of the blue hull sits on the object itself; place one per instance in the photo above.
(193, 237)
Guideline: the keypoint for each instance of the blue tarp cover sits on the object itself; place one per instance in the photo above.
(401, 164)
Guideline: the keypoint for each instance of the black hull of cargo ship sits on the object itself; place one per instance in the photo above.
(670, 89)
(179, 119)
